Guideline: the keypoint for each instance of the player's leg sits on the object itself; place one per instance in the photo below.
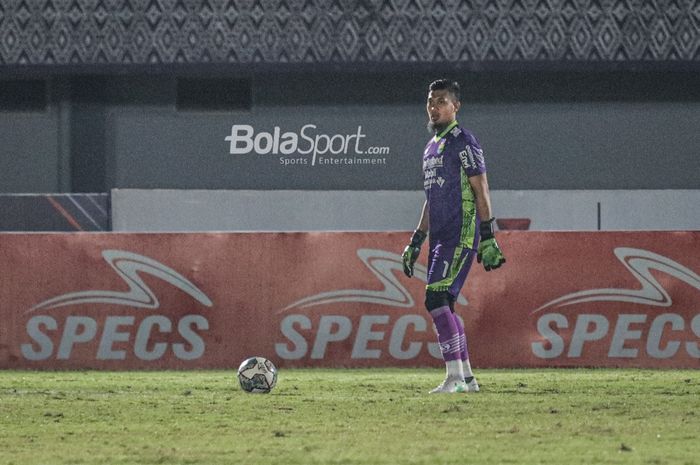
(448, 337)
(437, 302)
(464, 353)
(469, 377)
(460, 278)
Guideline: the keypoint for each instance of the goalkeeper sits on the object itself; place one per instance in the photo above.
(457, 212)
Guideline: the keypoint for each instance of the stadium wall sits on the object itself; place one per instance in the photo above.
(32, 158)
(283, 210)
(178, 301)
(527, 145)
(99, 133)
(564, 95)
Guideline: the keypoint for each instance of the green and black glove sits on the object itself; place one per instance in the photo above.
(412, 250)
(489, 253)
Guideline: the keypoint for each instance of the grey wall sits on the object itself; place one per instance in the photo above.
(163, 149)
(539, 130)
(30, 152)
(247, 210)
(527, 146)
(563, 132)
(653, 145)
(240, 210)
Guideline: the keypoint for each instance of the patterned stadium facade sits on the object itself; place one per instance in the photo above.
(345, 33)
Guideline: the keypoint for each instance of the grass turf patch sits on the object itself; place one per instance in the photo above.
(373, 416)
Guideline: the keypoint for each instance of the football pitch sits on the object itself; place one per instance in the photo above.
(350, 416)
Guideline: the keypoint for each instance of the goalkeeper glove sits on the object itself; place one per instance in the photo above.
(412, 250)
(489, 253)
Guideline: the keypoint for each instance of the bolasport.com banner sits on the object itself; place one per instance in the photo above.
(156, 301)
(308, 146)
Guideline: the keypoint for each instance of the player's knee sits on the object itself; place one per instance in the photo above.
(437, 299)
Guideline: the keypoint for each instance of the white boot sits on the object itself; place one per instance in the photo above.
(472, 385)
(451, 385)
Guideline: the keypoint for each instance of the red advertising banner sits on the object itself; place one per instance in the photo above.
(155, 301)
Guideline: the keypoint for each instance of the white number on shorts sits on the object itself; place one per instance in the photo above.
(447, 267)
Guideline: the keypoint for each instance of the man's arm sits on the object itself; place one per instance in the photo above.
(412, 250)
(424, 223)
(480, 187)
(488, 252)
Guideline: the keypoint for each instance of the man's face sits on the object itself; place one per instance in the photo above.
(442, 108)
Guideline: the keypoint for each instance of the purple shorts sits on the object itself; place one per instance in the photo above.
(448, 267)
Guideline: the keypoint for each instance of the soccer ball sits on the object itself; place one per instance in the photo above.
(257, 375)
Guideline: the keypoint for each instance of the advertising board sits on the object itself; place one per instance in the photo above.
(178, 301)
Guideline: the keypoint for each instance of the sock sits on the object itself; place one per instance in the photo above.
(448, 338)
(467, 369)
(464, 353)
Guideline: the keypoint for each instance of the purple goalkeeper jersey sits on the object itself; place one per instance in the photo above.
(449, 159)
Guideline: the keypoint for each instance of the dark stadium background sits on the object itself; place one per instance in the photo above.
(563, 94)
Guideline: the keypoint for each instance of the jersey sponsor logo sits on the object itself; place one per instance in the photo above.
(464, 158)
(79, 330)
(431, 177)
(433, 162)
(471, 157)
(455, 131)
(477, 154)
(665, 333)
(429, 182)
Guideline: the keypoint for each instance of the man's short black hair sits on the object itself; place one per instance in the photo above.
(446, 84)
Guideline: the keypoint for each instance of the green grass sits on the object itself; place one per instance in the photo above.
(372, 416)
